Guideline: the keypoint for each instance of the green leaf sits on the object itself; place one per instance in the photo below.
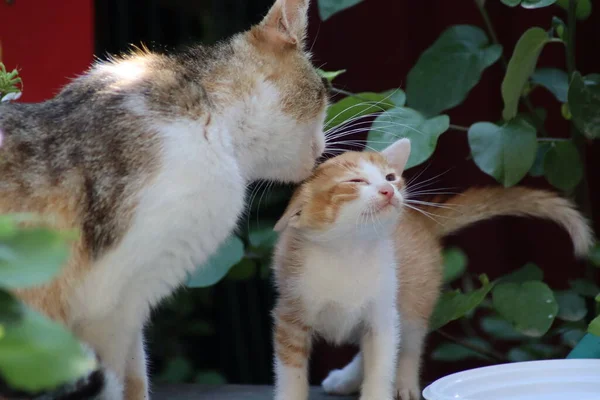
(455, 264)
(505, 152)
(571, 306)
(449, 69)
(402, 122)
(354, 107)
(396, 96)
(584, 104)
(11, 311)
(177, 370)
(529, 3)
(229, 253)
(553, 79)
(528, 272)
(584, 287)
(583, 10)
(330, 75)
(594, 327)
(31, 256)
(266, 236)
(520, 67)
(562, 166)
(328, 8)
(537, 3)
(455, 304)
(242, 271)
(560, 28)
(537, 169)
(38, 354)
(529, 306)
(594, 255)
(210, 378)
(500, 328)
(455, 352)
(519, 354)
(571, 337)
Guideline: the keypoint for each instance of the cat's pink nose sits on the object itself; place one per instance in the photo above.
(386, 190)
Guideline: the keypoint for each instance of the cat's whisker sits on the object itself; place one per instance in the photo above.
(355, 119)
(425, 213)
(379, 128)
(421, 183)
(371, 104)
(431, 204)
(268, 187)
(417, 176)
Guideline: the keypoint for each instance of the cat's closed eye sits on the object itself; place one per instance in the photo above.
(356, 180)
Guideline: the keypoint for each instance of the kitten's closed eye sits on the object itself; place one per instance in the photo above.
(357, 180)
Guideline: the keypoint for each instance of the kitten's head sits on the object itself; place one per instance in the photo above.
(351, 194)
(284, 98)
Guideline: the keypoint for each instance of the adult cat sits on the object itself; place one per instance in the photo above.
(149, 156)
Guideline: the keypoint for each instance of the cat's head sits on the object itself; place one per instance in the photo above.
(281, 96)
(351, 194)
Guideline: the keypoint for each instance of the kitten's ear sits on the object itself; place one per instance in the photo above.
(292, 213)
(286, 22)
(397, 154)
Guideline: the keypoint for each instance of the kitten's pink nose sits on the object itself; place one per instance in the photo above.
(386, 190)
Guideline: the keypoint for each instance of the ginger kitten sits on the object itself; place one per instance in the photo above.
(149, 157)
(347, 242)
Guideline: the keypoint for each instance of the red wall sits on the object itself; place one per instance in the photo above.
(49, 41)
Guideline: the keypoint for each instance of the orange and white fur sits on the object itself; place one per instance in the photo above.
(149, 156)
(357, 262)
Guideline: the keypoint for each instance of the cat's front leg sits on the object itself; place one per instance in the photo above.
(136, 376)
(292, 340)
(380, 346)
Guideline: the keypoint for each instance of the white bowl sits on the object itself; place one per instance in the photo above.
(571, 379)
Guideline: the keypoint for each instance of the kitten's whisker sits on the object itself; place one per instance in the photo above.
(425, 213)
(431, 204)
(414, 178)
(421, 183)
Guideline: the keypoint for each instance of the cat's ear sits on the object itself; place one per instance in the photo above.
(286, 22)
(397, 154)
(292, 213)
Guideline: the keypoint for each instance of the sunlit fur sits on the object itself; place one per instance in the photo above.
(330, 251)
(148, 156)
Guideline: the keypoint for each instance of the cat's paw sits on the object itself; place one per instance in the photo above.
(408, 393)
(339, 382)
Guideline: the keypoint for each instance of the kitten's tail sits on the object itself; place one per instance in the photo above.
(478, 204)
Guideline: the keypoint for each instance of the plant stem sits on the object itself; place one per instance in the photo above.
(571, 24)
(459, 128)
(582, 196)
(490, 28)
(487, 353)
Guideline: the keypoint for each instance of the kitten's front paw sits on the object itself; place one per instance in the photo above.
(338, 382)
(408, 394)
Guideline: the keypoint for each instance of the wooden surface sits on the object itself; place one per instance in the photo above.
(228, 392)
